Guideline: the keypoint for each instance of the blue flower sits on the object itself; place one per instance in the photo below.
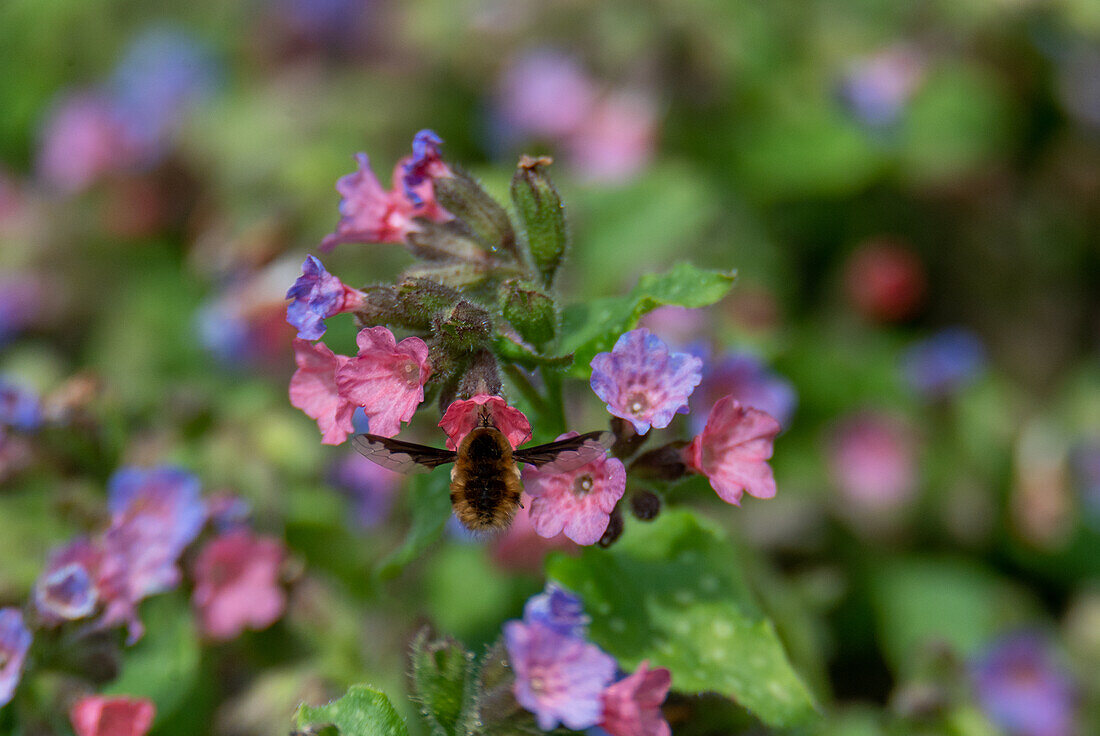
(425, 164)
(317, 295)
(558, 609)
(19, 408)
(15, 640)
(943, 364)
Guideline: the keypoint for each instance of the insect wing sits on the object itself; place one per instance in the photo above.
(399, 456)
(568, 454)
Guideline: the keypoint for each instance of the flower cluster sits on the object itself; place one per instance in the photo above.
(563, 678)
(155, 515)
(480, 305)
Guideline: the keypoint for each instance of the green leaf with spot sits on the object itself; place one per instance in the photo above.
(671, 591)
(362, 711)
(430, 502)
(594, 326)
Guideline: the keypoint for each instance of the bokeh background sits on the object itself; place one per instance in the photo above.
(911, 195)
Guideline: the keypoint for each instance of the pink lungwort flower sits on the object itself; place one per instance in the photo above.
(237, 584)
(559, 677)
(99, 715)
(83, 140)
(484, 409)
(371, 214)
(872, 458)
(313, 390)
(643, 382)
(15, 640)
(733, 451)
(632, 706)
(317, 295)
(617, 139)
(387, 378)
(579, 501)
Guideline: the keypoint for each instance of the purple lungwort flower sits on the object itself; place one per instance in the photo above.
(68, 590)
(317, 295)
(155, 514)
(943, 364)
(748, 379)
(1023, 689)
(557, 609)
(19, 408)
(559, 677)
(425, 165)
(83, 139)
(643, 382)
(15, 640)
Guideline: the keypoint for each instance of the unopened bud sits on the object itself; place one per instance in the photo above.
(645, 505)
(464, 198)
(542, 214)
(464, 329)
(530, 311)
(614, 528)
(627, 439)
(482, 376)
(664, 463)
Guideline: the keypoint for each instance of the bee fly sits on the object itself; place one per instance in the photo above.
(485, 481)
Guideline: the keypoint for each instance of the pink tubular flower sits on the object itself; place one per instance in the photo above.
(578, 501)
(387, 378)
(464, 415)
(632, 706)
(237, 584)
(733, 451)
(371, 214)
(98, 715)
(643, 382)
(313, 390)
(558, 677)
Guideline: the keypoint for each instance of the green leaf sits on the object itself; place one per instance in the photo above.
(430, 503)
(593, 327)
(363, 711)
(957, 602)
(510, 350)
(164, 664)
(444, 678)
(671, 591)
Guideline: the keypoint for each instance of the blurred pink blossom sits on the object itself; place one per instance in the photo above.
(237, 584)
